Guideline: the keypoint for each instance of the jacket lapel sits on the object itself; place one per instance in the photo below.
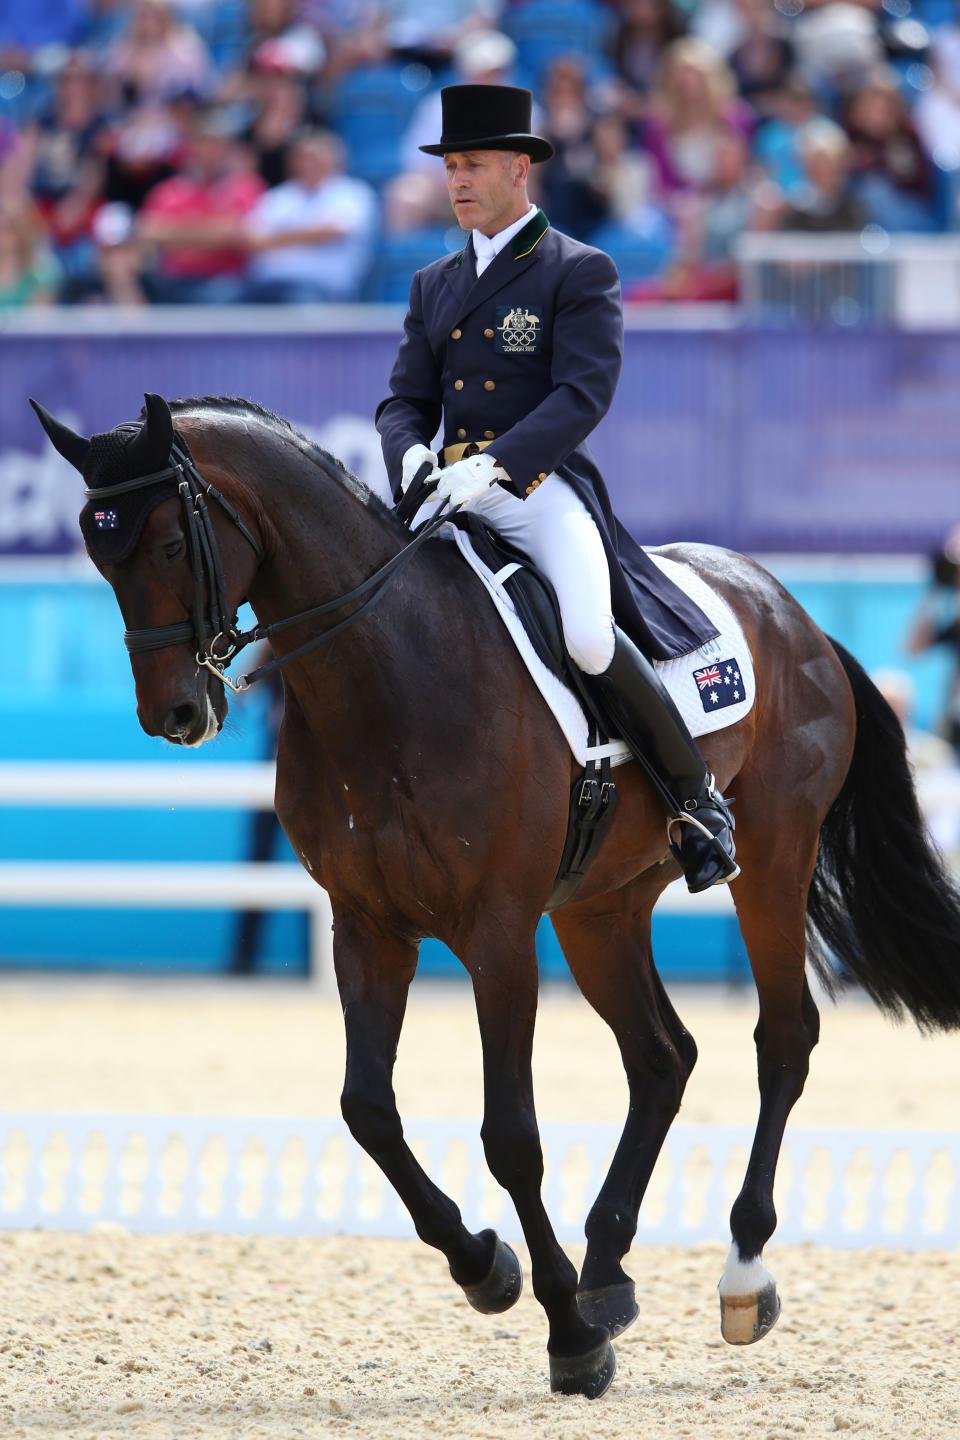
(461, 273)
(516, 257)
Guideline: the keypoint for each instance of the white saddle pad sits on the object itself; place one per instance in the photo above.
(712, 687)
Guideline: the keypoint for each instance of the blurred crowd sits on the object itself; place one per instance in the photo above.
(266, 151)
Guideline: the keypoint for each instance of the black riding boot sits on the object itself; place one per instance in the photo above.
(700, 828)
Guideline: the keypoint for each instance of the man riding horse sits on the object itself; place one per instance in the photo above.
(516, 344)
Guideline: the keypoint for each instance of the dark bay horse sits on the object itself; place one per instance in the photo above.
(424, 784)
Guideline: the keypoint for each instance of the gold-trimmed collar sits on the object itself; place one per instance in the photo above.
(530, 236)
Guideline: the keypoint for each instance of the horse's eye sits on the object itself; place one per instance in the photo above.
(174, 549)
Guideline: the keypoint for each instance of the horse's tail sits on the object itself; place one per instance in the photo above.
(882, 909)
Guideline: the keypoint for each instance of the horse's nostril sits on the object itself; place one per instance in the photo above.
(179, 721)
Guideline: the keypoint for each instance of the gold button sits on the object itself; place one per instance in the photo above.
(489, 435)
(488, 334)
(461, 434)
(489, 385)
(458, 384)
(455, 334)
(542, 475)
(530, 489)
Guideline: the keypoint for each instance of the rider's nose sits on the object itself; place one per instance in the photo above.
(180, 720)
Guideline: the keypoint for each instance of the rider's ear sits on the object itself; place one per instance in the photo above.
(67, 442)
(150, 449)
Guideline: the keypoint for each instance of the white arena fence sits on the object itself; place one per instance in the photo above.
(280, 1176)
(199, 884)
(909, 281)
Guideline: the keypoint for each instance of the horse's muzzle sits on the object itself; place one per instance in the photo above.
(190, 723)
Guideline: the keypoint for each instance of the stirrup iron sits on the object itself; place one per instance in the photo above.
(709, 862)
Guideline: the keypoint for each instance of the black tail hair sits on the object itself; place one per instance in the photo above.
(881, 906)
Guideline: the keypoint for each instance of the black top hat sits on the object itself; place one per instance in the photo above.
(488, 117)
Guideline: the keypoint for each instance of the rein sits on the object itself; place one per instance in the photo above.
(213, 630)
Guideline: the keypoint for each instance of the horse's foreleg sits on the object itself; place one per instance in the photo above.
(373, 975)
(606, 943)
(582, 1361)
(773, 928)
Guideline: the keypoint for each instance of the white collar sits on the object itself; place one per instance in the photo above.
(488, 247)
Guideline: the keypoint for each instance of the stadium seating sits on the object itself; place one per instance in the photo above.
(398, 256)
(543, 30)
(637, 254)
(371, 108)
(225, 27)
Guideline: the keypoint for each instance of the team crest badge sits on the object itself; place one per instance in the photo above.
(519, 329)
(720, 685)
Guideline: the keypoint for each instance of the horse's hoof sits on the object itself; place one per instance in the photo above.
(612, 1306)
(745, 1319)
(500, 1288)
(588, 1374)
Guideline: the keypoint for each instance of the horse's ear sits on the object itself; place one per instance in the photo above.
(150, 449)
(67, 442)
(159, 418)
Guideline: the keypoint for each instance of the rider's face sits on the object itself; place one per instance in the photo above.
(487, 188)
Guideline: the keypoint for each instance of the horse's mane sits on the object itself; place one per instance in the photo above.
(249, 409)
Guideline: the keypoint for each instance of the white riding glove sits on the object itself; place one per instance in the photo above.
(413, 458)
(466, 479)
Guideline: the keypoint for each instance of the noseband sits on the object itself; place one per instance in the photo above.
(212, 628)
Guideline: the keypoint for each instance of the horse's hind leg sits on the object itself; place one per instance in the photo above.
(373, 975)
(606, 943)
(771, 904)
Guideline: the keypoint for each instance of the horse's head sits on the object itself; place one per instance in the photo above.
(150, 533)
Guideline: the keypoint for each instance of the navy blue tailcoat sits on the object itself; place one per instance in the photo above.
(526, 358)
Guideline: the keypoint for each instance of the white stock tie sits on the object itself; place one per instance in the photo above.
(484, 251)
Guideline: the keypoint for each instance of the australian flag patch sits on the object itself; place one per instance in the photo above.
(720, 685)
(106, 519)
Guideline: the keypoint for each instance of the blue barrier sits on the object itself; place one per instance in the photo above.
(70, 696)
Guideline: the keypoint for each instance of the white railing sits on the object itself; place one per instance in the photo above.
(198, 884)
(849, 279)
(304, 1176)
(244, 885)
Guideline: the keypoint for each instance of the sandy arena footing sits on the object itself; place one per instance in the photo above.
(112, 1334)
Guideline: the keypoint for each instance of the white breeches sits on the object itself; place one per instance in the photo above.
(559, 534)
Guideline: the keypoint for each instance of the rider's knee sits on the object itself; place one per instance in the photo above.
(590, 647)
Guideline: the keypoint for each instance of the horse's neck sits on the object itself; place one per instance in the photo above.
(324, 540)
(323, 537)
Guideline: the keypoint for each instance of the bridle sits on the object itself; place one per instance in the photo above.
(213, 628)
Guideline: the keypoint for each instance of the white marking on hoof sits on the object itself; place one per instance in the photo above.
(744, 1277)
(749, 1303)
